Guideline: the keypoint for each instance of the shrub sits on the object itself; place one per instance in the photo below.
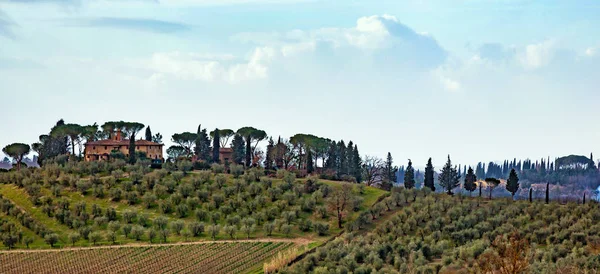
(321, 228)
(196, 228)
(236, 170)
(305, 225)
(217, 168)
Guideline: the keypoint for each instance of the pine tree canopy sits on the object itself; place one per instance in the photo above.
(449, 178)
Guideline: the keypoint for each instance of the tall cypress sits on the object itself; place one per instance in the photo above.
(216, 146)
(429, 179)
(512, 184)
(357, 164)
(148, 134)
(350, 158)
(547, 193)
(239, 150)
(470, 180)
(269, 154)
(342, 166)
(388, 172)
(530, 194)
(198, 143)
(132, 149)
(409, 176)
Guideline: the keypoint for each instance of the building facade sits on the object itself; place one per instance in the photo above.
(102, 149)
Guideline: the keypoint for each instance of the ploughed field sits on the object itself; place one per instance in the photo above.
(210, 257)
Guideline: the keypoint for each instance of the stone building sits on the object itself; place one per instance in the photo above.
(102, 149)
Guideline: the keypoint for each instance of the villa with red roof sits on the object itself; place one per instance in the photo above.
(101, 150)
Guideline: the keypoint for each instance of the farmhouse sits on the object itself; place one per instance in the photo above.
(101, 150)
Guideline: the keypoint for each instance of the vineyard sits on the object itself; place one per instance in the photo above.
(213, 257)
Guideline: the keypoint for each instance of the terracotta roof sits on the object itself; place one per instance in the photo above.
(124, 142)
(225, 149)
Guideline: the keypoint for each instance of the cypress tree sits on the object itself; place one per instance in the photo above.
(132, 149)
(270, 152)
(148, 134)
(197, 144)
(388, 172)
(357, 163)
(470, 180)
(584, 198)
(547, 193)
(409, 176)
(239, 150)
(216, 147)
(530, 195)
(342, 166)
(429, 180)
(350, 159)
(512, 184)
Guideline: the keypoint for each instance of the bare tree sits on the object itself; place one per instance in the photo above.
(372, 170)
(340, 200)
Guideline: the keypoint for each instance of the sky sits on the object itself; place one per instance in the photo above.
(479, 80)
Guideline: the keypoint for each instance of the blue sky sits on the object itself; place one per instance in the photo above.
(481, 80)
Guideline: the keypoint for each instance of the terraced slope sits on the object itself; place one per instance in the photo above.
(210, 257)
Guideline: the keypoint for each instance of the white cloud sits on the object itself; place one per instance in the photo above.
(537, 55)
(208, 68)
(383, 38)
(591, 52)
(449, 84)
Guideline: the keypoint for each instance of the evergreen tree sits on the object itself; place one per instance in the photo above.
(592, 164)
(278, 153)
(148, 134)
(409, 176)
(269, 154)
(470, 181)
(449, 178)
(357, 164)
(429, 179)
(132, 149)
(310, 167)
(342, 166)
(350, 158)
(389, 170)
(216, 146)
(512, 184)
(332, 157)
(239, 149)
(547, 193)
(530, 194)
(202, 148)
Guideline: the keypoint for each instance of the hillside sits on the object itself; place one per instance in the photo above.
(59, 207)
(436, 232)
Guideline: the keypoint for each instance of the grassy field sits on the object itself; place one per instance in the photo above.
(213, 257)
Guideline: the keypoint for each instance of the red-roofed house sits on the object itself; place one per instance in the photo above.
(100, 150)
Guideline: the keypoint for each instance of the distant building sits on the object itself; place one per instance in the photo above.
(101, 150)
(225, 155)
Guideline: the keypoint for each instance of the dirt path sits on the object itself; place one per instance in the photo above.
(298, 241)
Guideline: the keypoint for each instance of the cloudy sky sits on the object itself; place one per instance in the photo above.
(480, 80)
